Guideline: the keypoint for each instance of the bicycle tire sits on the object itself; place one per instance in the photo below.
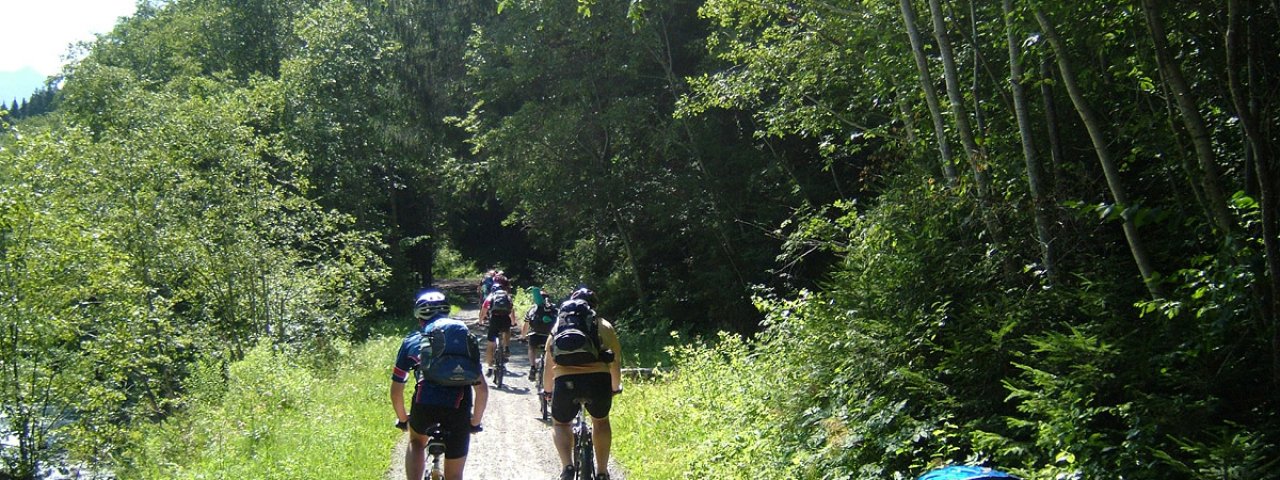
(498, 366)
(546, 413)
(587, 470)
(584, 452)
(538, 386)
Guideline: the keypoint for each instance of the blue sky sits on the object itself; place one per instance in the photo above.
(36, 34)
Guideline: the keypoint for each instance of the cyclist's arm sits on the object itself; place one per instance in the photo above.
(397, 401)
(481, 391)
(609, 337)
(400, 375)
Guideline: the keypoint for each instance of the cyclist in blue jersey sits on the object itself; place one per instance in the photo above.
(457, 409)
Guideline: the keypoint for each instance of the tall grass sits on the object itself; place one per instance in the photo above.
(278, 415)
(711, 418)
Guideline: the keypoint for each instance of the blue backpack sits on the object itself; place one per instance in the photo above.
(449, 355)
(960, 472)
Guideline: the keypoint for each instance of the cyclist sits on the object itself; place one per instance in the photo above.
(498, 312)
(594, 382)
(537, 325)
(487, 283)
(449, 406)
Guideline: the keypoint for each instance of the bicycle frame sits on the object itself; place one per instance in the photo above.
(499, 361)
(538, 387)
(435, 448)
(584, 454)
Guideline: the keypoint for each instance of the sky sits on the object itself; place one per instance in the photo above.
(35, 35)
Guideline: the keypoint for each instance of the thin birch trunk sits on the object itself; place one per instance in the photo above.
(1035, 169)
(1056, 157)
(982, 178)
(1109, 168)
(930, 93)
(1237, 51)
(1190, 111)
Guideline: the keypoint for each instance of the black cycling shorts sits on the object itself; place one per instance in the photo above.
(538, 341)
(456, 422)
(596, 389)
(497, 325)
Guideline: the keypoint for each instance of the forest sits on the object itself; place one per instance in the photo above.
(1038, 235)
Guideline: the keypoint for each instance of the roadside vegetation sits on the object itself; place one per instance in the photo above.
(277, 415)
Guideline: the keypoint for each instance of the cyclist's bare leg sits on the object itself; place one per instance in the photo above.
(415, 457)
(453, 468)
(488, 353)
(601, 438)
(562, 434)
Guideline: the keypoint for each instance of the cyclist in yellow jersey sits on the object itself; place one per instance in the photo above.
(595, 381)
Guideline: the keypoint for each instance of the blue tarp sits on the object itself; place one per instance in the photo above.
(965, 473)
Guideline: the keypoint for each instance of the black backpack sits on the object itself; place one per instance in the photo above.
(449, 355)
(576, 337)
(541, 318)
(500, 303)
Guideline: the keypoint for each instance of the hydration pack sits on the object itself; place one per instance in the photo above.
(449, 355)
(541, 318)
(500, 303)
(576, 336)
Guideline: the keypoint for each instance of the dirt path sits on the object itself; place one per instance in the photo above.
(516, 443)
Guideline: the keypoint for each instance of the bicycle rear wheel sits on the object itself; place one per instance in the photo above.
(546, 410)
(500, 361)
(584, 452)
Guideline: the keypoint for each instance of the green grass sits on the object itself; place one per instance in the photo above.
(275, 419)
(708, 419)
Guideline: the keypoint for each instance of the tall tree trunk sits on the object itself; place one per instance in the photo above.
(1190, 111)
(1035, 169)
(982, 178)
(1258, 143)
(1056, 157)
(1118, 193)
(979, 120)
(638, 274)
(930, 93)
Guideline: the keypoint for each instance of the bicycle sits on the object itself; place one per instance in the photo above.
(435, 448)
(584, 453)
(537, 372)
(499, 367)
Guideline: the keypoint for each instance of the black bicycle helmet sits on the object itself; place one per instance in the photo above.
(429, 304)
(585, 294)
(576, 308)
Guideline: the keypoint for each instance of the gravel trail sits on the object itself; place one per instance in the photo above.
(516, 443)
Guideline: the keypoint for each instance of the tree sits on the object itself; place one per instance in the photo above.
(1118, 192)
(1040, 192)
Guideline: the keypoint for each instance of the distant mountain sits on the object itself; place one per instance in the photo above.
(19, 85)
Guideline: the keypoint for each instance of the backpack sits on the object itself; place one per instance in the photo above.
(966, 473)
(500, 303)
(449, 355)
(576, 336)
(541, 318)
